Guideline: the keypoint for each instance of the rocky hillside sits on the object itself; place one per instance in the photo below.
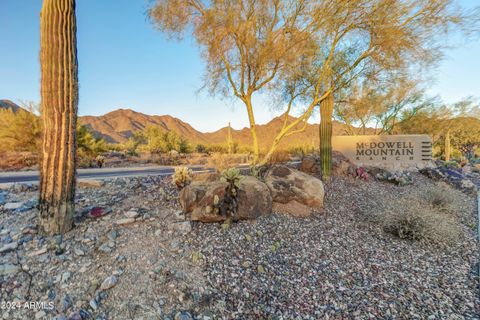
(117, 126)
(8, 104)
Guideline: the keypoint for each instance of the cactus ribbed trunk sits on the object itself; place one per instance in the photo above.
(447, 146)
(326, 114)
(59, 93)
(229, 139)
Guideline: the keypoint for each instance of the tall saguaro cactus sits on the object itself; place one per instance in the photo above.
(447, 146)
(59, 92)
(326, 113)
(229, 139)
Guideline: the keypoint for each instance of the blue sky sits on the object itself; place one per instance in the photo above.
(125, 63)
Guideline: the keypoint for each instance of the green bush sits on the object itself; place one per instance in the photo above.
(87, 144)
(20, 131)
(155, 139)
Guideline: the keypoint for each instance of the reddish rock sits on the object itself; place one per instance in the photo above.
(287, 184)
(310, 164)
(253, 200)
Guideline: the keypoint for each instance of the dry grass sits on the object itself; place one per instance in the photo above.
(280, 156)
(427, 218)
(12, 160)
(222, 162)
(441, 198)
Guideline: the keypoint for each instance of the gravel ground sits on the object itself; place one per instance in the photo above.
(338, 265)
(334, 265)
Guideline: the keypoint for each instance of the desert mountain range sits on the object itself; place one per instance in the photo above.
(117, 126)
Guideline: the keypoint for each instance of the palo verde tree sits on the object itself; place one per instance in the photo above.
(59, 93)
(303, 50)
(377, 108)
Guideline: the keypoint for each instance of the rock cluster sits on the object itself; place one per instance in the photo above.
(284, 189)
(467, 181)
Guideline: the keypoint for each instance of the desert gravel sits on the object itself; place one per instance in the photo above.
(337, 264)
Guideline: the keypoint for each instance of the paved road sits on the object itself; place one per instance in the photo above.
(104, 173)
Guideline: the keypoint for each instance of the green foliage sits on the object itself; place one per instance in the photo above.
(458, 123)
(88, 146)
(132, 144)
(200, 148)
(182, 177)
(232, 175)
(228, 205)
(465, 136)
(155, 139)
(20, 130)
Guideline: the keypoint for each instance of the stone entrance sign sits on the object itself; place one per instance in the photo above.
(386, 150)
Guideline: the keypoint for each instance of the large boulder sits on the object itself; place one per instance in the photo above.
(310, 164)
(341, 166)
(253, 199)
(288, 185)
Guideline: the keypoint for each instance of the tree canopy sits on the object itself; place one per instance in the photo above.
(305, 50)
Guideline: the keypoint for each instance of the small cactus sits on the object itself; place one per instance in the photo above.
(182, 177)
(233, 176)
(229, 203)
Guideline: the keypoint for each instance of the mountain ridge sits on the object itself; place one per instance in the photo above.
(118, 125)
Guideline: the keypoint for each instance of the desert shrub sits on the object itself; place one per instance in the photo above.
(13, 160)
(451, 164)
(245, 149)
(87, 144)
(221, 162)
(20, 130)
(279, 156)
(197, 159)
(413, 218)
(182, 177)
(200, 148)
(155, 139)
(217, 148)
(441, 199)
(301, 151)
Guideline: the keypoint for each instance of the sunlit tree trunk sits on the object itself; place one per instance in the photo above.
(253, 129)
(326, 114)
(59, 93)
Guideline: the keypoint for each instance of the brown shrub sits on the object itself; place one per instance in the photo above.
(279, 156)
(414, 218)
(441, 198)
(13, 160)
(221, 162)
